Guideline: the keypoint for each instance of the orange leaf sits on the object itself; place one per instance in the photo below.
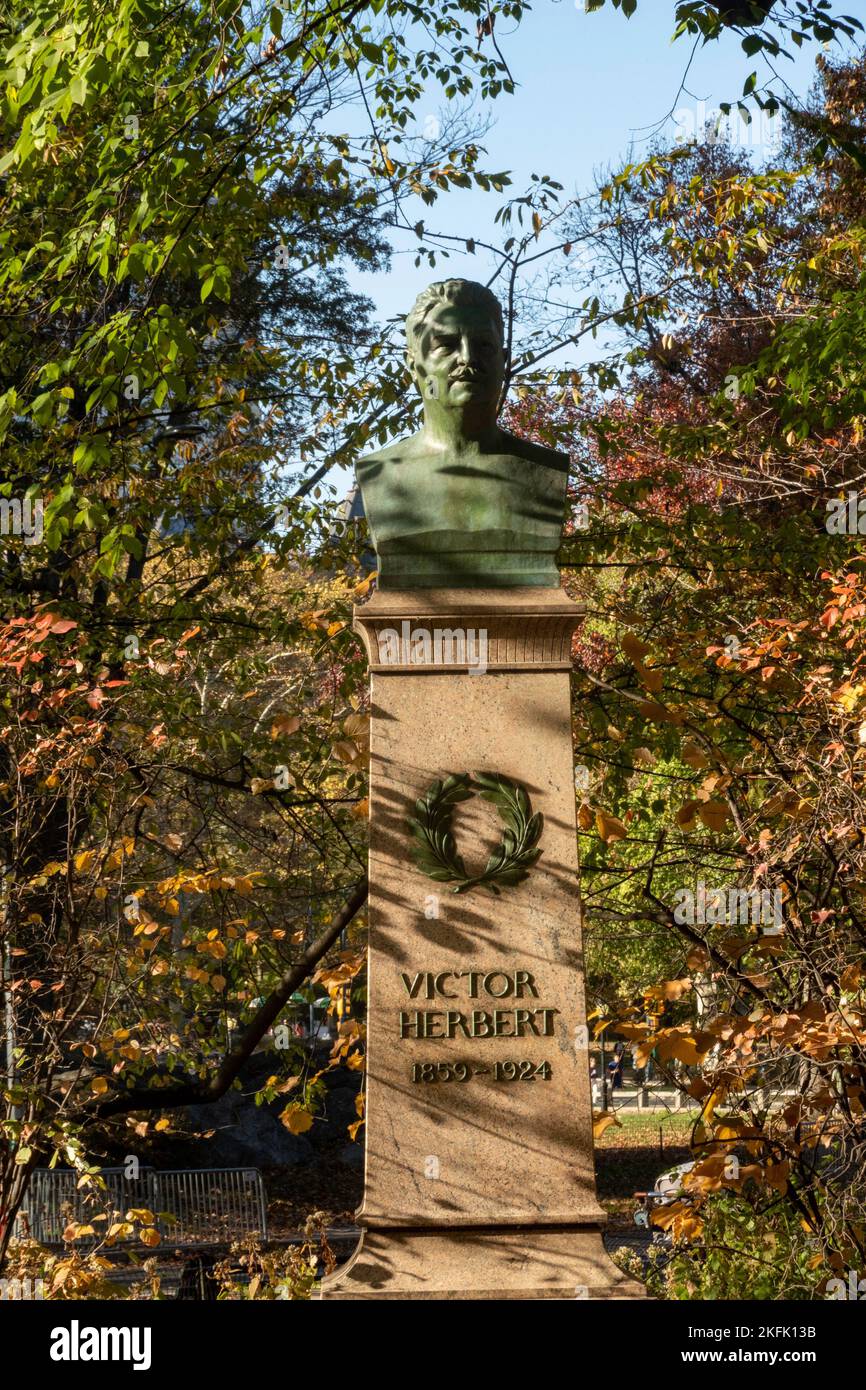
(285, 724)
(713, 814)
(610, 828)
(634, 648)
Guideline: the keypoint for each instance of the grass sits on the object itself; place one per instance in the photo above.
(630, 1156)
(644, 1130)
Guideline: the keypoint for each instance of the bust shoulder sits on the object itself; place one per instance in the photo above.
(536, 453)
(372, 464)
(511, 445)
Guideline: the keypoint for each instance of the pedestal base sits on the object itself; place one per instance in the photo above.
(522, 1262)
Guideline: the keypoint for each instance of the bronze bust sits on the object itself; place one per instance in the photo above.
(462, 503)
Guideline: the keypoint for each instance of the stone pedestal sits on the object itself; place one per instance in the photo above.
(479, 1173)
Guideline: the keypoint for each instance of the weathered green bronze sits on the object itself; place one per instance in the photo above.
(435, 851)
(462, 504)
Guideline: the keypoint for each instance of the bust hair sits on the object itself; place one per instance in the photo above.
(449, 292)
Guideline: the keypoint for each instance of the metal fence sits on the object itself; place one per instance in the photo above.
(208, 1206)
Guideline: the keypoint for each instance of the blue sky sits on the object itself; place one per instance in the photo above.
(592, 91)
(590, 87)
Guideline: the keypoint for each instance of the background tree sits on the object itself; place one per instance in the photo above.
(181, 362)
(719, 699)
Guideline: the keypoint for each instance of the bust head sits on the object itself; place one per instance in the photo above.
(462, 504)
(455, 345)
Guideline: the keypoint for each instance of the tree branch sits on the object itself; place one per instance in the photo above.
(150, 1097)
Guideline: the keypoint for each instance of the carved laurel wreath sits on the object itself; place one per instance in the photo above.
(436, 851)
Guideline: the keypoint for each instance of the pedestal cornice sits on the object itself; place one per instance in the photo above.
(411, 631)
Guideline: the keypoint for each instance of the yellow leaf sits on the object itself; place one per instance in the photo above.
(603, 1121)
(310, 619)
(84, 860)
(150, 1236)
(218, 982)
(99, 1085)
(127, 846)
(357, 726)
(632, 1031)
(683, 1049)
(141, 1214)
(584, 816)
(296, 1119)
(120, 1228)
(727, 1129)
(74, 1232)
(665, 1216)
(671, 990)
(688, 1226)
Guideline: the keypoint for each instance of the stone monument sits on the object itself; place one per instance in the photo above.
(479, 1178)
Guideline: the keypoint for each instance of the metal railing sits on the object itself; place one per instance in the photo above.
(207, 1206)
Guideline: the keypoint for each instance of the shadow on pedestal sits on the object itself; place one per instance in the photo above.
(476, 1263)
